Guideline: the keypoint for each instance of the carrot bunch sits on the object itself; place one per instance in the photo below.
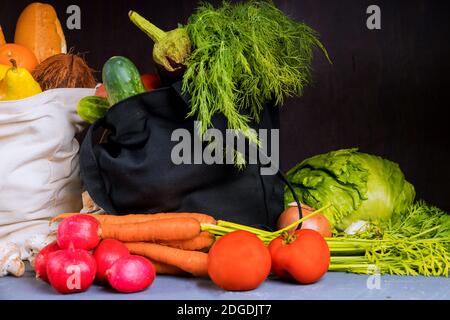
(174, 242)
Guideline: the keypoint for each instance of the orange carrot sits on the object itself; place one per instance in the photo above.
(203, 241)
(193, 262)
(162, 268)
(156, 230)
(137, 218)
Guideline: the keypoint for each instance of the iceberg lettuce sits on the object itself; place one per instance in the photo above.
(359, 186)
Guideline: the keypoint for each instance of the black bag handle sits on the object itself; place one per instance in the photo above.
(280, 175)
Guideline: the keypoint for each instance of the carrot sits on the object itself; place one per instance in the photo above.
(156, 230)
(137, 218)
(162, 268)
(193, 262)
(203, 241)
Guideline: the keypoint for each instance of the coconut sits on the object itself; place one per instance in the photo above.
(64, 70)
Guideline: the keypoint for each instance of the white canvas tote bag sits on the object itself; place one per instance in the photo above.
(39, 170)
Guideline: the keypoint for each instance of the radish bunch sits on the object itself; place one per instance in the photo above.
(69, 267)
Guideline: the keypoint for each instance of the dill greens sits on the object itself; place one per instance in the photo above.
(407, 256)
(419, 220)
(245, 55)
(414, 242)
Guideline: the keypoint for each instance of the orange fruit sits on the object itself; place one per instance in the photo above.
(24, 57)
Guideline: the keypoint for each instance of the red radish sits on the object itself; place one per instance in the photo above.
(79, 231)
(40, 261)
(101, 91)
(108, 252)
(151, 81)
(131, 274)
(71, 271)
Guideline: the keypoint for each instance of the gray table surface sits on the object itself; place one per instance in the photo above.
(339, 286)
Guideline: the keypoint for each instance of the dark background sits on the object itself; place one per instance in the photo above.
(386, 92)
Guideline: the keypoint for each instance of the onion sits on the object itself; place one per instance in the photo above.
(318, 222)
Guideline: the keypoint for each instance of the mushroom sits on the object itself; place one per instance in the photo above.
(89, 206)
(10, 262)
(35, 244)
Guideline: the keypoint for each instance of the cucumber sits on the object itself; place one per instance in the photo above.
(90, 109)
(121, 79)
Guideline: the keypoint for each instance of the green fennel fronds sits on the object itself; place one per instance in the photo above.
(245, 55)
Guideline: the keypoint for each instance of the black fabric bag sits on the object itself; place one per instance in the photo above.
(132, 171)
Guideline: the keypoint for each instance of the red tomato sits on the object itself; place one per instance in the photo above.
(101, 91)
(239, 261)
(151, 81)
(303, 257)
(318, 222)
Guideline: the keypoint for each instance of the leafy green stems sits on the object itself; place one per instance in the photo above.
(224, 227)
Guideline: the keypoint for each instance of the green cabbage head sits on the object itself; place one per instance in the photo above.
(359, 186)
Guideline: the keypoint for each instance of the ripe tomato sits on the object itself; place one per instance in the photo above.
(318, 222)
(303, 257)
(151, 81)
(239, 261)
(101, 91)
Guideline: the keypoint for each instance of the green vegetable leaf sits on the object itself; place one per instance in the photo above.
(359, 186)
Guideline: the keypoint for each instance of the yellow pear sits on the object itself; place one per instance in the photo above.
(18, 84)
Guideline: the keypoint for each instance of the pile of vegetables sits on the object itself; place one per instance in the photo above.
(415, 242)
(121, 80)
(174, 242)
(69, 267)
(232, 60)
(38, 60)
(181, 244)
(240, 258)
(385, 230)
